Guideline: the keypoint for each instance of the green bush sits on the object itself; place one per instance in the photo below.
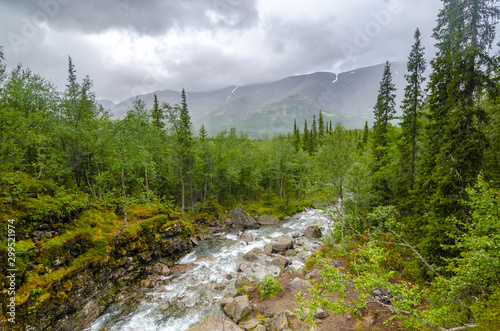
(269, 286)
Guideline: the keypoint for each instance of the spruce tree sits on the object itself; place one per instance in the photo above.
(187, 141)
(296, 136)
(455, 140)
(411, 107)
(157, 114)
(384, 111)
(313, 142)
(321, 126)
(365, 133)
(305, 141)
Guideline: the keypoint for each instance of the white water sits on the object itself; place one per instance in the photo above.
(191, 297)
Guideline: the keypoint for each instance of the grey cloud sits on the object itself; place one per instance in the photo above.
(147, 17)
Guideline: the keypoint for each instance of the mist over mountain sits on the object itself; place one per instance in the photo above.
(269, 108)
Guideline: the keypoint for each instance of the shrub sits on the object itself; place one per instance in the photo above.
(269, 286)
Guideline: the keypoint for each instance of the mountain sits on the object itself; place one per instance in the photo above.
(269, 108)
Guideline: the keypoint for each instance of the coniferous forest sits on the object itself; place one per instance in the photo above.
(416, 197)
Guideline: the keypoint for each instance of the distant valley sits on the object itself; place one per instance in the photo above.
(265, 109)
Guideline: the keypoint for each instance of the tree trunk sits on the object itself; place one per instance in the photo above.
(182, 185)
(147, 182)
(190, 184)
(124, 208)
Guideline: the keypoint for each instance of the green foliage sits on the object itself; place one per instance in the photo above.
(269, 287)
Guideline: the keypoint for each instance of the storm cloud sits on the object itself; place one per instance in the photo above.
(132, 47)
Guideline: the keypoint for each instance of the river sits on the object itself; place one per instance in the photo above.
(191, 296)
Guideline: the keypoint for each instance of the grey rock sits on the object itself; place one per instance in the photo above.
(242, 267)
(241, 219)
(260, 328)
(268, 249)
(161, 269)
(313, 232)
(296, 266)
(215, 324)
(280, 261)
(321, 313)
(238, 308)
(254, 255)
(241, 281)
(313, 274)
(268, 220)
(279, 322)
(300, 283)
(282, 244)
(247, 237)
(249, 324)
(225, 301)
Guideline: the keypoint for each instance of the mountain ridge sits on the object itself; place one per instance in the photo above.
(265, 109)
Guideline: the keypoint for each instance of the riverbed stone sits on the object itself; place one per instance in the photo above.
(280, 261)
(249, 324)
(279, 322)
(238, 308)
(241, 281)
(242, 267)
(268, 249)
(215, 324)
(268, 220)
(296, 266)
(313, 274)
(321, 313)
(247, 237)
(282, 244)
(254, 255)
(300, 283)
(241, 219)
(313, 232)
(161, 269)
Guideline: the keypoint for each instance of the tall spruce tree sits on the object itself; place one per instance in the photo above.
(187, 142)
(321, 126)
(305, 141)
(296, 136)
(157, 114)
(455, 140)
(384, 111)
(411, 107)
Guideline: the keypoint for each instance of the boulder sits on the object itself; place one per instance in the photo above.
(260, 328)
(254, 255)
(238, 308)
(279, 322)
(300, 283)
(225, 301)
(241, 219)
(268, 249)
(280, 261)
(242, 267)
(205, 257)
(249, 324)
(268, 220)
(314, 274)
(296, 266)
(161, 269)
(241, 281)
(321, 313)
(247, 237)
(281, 244)
(313, 232)
(215, 324)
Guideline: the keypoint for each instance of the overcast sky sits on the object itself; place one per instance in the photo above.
(131, 47)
